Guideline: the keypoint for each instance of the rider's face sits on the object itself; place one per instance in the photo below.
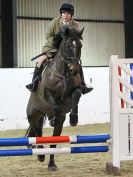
(66, 16)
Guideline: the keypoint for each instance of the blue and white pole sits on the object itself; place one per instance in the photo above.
(48, 151)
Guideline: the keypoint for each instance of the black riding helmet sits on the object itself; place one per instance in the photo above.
(67, 7)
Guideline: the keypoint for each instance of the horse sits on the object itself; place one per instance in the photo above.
(58, 92)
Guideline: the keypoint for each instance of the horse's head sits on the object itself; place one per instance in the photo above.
(70, 47)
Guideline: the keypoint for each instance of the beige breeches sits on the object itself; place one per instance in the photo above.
(40, 60)
(43, 58)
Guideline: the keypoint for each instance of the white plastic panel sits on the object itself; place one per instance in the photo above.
(131, 134)
(124, 145)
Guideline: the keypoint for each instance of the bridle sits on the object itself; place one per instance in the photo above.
(68, 59)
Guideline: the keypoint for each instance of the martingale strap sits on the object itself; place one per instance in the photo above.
(64, 81)
(57, 74)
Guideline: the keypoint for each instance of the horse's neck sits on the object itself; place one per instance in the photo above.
(58, 64)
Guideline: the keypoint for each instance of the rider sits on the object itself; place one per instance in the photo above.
(66, 14)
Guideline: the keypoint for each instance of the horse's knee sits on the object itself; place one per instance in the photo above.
(77, 93)
(58, 125)
(36, 125)
(55, 108)
(58, 122)
(76, 96)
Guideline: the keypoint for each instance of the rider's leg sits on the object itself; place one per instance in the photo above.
(84, 88)
(37, 73)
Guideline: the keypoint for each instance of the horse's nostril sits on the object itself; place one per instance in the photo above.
(71, 70)
(75, 73)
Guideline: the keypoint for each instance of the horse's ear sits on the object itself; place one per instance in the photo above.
(65, 30)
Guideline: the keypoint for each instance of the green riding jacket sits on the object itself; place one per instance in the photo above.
(54, 28)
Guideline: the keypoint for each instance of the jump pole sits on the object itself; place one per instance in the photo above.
(48, 151)
(54, 139)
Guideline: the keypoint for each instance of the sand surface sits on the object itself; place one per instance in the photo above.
(69, 165)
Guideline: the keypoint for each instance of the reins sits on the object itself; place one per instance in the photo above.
(44, 53)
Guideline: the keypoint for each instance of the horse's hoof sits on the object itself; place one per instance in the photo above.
(41, 158)
(52, 168)
(30, 146)
(73, 119)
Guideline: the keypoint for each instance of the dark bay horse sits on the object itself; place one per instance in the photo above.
(58, 92)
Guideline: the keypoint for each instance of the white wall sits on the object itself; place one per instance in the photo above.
(93, 107)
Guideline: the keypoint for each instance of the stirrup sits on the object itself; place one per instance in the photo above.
(85, 89)
(31, 87)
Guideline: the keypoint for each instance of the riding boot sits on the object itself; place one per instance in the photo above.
(36, 78)
(84, 88)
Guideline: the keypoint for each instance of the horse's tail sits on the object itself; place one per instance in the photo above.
(44, 122)
(27, 132)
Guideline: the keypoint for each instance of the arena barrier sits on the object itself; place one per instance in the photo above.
(121, 112)
(103, 138)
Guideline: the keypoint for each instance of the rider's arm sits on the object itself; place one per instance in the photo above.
(51, 31)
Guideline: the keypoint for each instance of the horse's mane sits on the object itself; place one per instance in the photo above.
(66, 32)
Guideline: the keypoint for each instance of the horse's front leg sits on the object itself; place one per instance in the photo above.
(35, 130)
(57, 132)
(74, 112)
(55, 108)
(49, 97)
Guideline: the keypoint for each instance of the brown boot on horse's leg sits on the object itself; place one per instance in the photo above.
(74, 112)
(84, 88)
